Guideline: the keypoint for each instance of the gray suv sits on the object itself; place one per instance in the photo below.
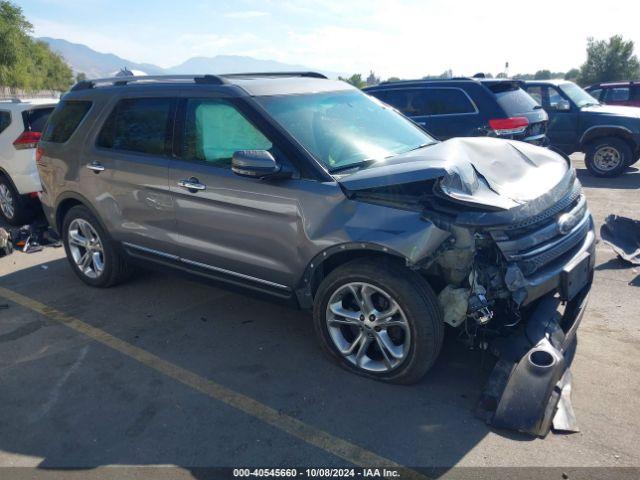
(308, 190)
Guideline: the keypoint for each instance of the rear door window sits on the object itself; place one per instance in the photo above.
(5, 120)
(617, 94)
(511, 98)
(440, 101)
(35, 120)
(141, 125)
(417, 102)
(65, 120)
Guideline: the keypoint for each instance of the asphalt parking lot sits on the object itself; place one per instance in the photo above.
(166, 371)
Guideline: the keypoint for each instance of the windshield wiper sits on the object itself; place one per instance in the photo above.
(368, 161)
(418, 147)
(362, 163)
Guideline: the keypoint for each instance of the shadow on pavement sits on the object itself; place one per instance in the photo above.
(630, 179)
(76, 403)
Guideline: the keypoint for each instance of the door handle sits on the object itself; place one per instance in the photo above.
(192, 184)
(96, 167)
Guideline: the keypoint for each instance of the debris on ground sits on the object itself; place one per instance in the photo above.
(622, 234)
(29, 238)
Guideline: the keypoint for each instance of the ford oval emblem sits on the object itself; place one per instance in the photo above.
(566, 223)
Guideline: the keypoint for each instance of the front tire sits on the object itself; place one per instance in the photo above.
(608, 157)
(14, 209)
(380, 320)
(93, 256)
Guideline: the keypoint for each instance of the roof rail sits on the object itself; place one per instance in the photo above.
(417, 80)
(121, 81)
(276, 74)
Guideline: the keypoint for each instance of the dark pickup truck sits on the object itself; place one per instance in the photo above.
(608, 135)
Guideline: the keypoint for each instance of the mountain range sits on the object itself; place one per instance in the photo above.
(96, 64)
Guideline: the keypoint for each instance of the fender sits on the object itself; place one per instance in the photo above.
(306, 286)
(599, 131)
(80, 198)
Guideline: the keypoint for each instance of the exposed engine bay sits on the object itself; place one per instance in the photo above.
(514, 272)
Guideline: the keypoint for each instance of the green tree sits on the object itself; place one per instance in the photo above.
(542, 75)
(81, 77)
(609, 60)
(572, 74)
(355, 80)
(26, 63)
(393, 79)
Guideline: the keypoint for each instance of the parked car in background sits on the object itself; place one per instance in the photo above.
(21, 123)
(616, 93)
(467, 107)
(608, 135)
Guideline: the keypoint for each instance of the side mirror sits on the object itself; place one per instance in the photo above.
(562, 106)
(254, 164)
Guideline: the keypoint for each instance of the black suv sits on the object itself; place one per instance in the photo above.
(609, 135)
(467, 107)
(311, 191)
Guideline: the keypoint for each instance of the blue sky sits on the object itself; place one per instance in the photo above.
(406, 38)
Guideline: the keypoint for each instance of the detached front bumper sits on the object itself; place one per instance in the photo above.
(529, 388)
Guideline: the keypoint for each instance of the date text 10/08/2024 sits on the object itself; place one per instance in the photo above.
(317, 472)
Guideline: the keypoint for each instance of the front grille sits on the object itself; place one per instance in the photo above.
(544, 238)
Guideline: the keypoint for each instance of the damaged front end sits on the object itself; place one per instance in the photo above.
(515, 272)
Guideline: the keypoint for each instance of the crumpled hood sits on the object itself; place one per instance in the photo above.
(480, 170)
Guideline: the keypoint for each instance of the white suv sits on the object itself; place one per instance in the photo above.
(21, 122)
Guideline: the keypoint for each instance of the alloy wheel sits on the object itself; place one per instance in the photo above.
(6, 201)
(368, 327)
(86, 248)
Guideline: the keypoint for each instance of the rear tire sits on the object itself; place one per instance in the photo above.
(93, 255)
(14, 208)
(608, 157)
(400, 352)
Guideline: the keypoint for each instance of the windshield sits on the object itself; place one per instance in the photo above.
(578, 95)
(345, 129)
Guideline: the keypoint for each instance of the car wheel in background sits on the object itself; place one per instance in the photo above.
(380, 320)
(608, 157)
(13, 208)
(93, 256)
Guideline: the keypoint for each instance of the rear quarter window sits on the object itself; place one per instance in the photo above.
(5, 120)
(511, 98)
(65, 120)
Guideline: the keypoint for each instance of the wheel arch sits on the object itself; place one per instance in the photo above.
(333, 257)
(5, 174)
(66, 202)
(601, 131)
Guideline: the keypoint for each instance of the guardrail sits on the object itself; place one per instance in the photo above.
(7, 93)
